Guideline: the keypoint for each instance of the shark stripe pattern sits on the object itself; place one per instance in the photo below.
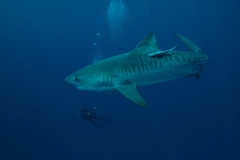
(146, 64)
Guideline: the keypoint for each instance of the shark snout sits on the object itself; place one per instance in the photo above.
(72, 80)
(68, 79)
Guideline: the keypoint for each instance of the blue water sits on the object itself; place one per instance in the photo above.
(43, 41)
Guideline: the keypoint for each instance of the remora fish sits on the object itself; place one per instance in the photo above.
(145, 64)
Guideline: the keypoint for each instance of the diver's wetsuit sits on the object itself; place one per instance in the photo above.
(89, 115)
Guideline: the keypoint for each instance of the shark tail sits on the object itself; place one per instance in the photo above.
(191, 46)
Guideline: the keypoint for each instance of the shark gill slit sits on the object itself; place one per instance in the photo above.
(114, 79)
(182, 57)
(160, 64)
(171, 59)
(143, 68)
(155, 62)
(176, 58)
(111, 79)
(150, 64)
(146, 64)
(130, 69)
(108, 80)
(125, 71)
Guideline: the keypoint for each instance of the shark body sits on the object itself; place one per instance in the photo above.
(146, 64)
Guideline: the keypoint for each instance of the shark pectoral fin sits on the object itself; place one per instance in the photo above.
(130, 92)
(161, 53)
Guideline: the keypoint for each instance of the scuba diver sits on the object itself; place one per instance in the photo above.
(89, 115)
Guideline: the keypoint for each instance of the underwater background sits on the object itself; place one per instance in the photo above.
(43, 41)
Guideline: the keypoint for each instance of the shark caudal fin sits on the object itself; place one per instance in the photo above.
(191, 46)
(130, 92)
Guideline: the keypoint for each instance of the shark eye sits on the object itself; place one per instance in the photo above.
(77, 79)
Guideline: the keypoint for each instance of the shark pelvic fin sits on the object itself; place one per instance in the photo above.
(130, 92)
(196, 73)
(161, 53)
(147, 45)
(191, 46)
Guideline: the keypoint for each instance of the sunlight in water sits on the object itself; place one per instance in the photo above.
(116, 14)
(97, 57)
(97, 54)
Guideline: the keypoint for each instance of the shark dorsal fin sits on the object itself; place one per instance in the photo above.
(191, 46)
(130, 92)
(147, 45)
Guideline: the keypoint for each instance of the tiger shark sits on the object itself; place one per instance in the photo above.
(146, 64)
